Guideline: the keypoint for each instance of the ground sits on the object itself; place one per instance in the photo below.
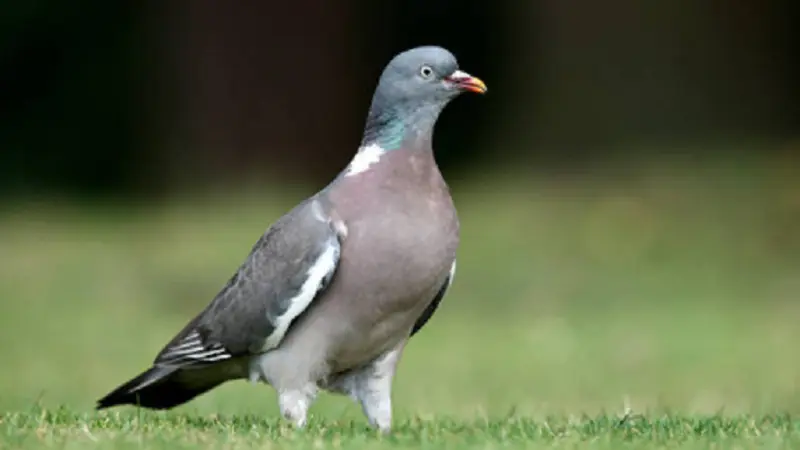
(68, 430)
(648, 311)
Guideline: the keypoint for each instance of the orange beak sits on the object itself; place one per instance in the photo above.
(467, 82)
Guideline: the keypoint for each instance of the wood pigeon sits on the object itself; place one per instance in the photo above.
(332, 291)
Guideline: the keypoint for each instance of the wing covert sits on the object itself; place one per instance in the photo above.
(286, 270)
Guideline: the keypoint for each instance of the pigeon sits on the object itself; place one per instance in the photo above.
(330, 294)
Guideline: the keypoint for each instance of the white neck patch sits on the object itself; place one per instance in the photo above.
(366, 157)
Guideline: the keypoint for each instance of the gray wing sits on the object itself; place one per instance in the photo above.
(434, 304)
(286, 270)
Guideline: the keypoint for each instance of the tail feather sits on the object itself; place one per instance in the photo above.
(159, 388)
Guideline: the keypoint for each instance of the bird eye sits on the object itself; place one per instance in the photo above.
(426, 71)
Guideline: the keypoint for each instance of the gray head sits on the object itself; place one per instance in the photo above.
(414, 88)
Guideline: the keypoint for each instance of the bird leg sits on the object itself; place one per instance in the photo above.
(294, 404)
(375, 395)
(371, 386)
(295, 392)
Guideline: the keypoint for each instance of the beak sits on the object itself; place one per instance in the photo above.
(467, 82)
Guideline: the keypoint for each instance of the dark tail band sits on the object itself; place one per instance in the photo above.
(158, 388)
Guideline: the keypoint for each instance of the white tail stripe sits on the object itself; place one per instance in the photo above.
(192, 349)
(203, 355)
(188, 345)
(207, 354)
(220, 357)
(185, 349)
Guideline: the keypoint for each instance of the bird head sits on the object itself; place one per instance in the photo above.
(413, 89)
(425, 75)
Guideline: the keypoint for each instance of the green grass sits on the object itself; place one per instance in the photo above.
(671, 293)
(68, 430)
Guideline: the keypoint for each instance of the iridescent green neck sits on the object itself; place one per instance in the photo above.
(391, 134)
(390, 128)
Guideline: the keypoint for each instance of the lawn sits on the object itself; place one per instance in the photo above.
(653, 308)
(69, 430)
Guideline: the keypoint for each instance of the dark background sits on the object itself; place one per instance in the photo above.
(139, 97)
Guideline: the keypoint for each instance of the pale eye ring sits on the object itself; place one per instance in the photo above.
(426, 71)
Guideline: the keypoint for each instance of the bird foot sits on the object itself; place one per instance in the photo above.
(294, 405)
(380, 416)
(371, 386)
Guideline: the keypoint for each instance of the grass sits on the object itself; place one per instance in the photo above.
(670, 293)
(66, 429)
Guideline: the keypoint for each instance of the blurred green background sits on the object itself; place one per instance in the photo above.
(629, 192)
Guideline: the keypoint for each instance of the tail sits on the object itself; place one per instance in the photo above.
(161, 387)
